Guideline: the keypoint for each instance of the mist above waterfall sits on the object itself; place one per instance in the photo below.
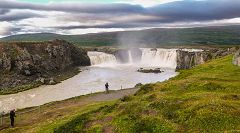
(135, 39)
(150, 38)
(145, 41)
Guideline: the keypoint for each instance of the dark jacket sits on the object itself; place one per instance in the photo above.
(106, 85)
(12, 114)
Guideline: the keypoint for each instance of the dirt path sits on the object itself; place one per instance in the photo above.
(51, 111)
(114, 95)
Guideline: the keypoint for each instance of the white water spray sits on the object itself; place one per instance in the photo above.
(159, 58)
(130, 59)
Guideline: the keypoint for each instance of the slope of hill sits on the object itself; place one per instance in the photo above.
(203, 99)
(222, 35)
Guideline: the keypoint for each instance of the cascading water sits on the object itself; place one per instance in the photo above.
(150, 58)
(159, 58)
(100, 58)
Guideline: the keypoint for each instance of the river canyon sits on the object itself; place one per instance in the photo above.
(119, 69)
(104, 68)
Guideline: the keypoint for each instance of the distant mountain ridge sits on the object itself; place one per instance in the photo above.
(218, 35)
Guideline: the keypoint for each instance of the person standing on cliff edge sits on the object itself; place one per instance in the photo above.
(12, 117)
(107, 87)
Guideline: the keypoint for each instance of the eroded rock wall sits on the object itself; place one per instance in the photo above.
(187, 60)
(24, 62)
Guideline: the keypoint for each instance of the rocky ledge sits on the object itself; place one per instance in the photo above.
(27, 63)
(187, 59)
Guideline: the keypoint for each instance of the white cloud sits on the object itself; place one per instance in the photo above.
(134, 17)
(224, 22)
(97, 30)
(5, 28)
(77, 18)
(147, 3)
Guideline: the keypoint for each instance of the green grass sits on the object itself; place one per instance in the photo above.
(50, 124)
(203, 99)
(70, 120)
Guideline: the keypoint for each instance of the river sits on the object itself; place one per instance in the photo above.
(93, 78)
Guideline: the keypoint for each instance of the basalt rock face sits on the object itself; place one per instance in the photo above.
(236, 58)
(24, 62)
(187, 60)
(5, 62)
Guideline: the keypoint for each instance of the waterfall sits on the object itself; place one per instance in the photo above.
(100, 58)
(149, 58)
(159, 58)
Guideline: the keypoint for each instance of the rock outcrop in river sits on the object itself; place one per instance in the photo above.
(25, 62)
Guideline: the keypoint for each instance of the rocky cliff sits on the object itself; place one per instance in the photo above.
(236, 58)
(187, 60)
(28, 62)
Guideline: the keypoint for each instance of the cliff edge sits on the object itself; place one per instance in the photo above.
(24, 63)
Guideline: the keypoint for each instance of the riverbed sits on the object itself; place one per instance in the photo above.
(91, 80)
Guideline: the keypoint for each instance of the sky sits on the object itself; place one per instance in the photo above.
(93, 16)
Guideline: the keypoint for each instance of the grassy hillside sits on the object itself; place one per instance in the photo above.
(204, 99)
(222, 35)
